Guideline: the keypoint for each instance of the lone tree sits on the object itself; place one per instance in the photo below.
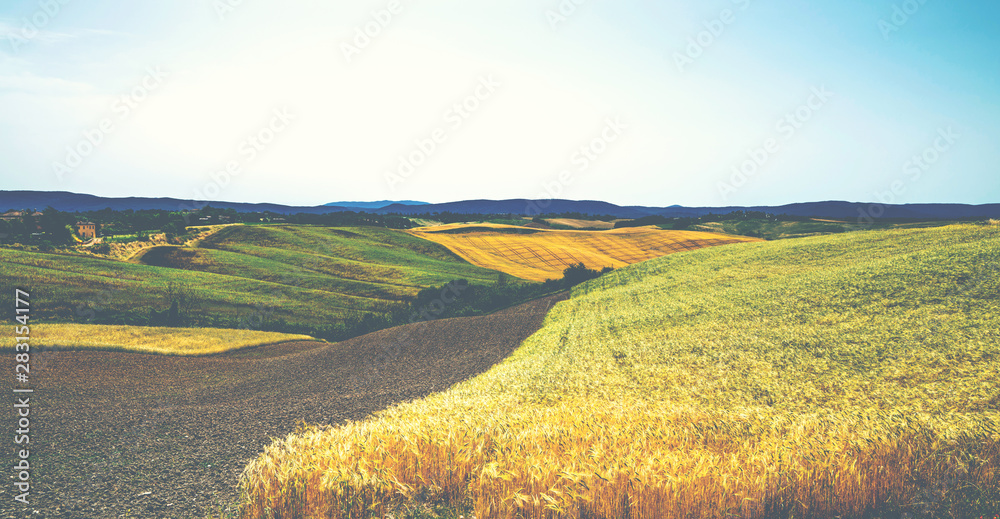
(576, 274)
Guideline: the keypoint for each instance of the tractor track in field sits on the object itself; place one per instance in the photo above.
(118, 435)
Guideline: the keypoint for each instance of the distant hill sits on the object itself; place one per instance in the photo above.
(65, 201)
(833, 209)
(524, 207)
(846, 210)
(375, 205)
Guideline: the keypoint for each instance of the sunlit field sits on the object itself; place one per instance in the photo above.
(581, 224)
(304, 275)
(850, 375)
(538, 255)
(144, 339)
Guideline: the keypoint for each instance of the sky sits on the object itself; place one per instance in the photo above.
(634, 102)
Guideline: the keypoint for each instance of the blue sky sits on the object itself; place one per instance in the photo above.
(721, 102)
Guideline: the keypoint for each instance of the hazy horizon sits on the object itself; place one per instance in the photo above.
(633, 103)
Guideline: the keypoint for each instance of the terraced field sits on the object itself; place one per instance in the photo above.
(538, 255)
(851, 375)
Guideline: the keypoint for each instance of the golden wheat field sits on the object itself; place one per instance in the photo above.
(581, 224)
(854, 375)
(145, 339)
(537, 255)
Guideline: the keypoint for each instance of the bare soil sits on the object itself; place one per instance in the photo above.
(127, 435)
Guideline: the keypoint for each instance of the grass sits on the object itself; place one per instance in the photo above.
(508, 221)
(142, 339)
(304, 275)
(851, 375)
(385, 258)
(538, 255)
(782, 230)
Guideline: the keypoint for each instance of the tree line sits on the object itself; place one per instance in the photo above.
(685, 222)
(54, 228)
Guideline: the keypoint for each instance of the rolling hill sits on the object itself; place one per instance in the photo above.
(120, 434)
(71, 202)
(537, 254)
(241, 276)
(368, 206)
(849, 375)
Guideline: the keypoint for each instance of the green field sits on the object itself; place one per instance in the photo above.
(242, 274)
(848, 375)
(781, 230)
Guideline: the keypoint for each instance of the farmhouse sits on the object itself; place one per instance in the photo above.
(17, 215)
(86, 230)
(12, 216)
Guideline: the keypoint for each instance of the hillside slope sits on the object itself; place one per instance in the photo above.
(241, 276)
(122, 434)
(853, 375)
(537, 255)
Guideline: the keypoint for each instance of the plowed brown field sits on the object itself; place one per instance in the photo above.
(154, 436)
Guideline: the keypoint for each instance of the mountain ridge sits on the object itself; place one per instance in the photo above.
(863, 211)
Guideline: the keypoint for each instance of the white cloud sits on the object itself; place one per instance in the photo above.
(13, 30)
(27, 82)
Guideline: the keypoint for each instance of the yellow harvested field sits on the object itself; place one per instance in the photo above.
(538, 255)
(581, 224)
(145, 339)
